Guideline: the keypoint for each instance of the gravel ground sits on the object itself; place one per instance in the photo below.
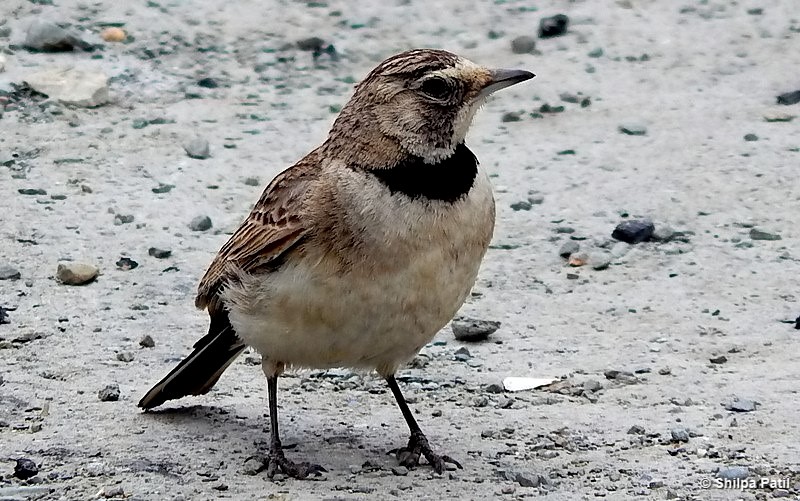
(675, 358)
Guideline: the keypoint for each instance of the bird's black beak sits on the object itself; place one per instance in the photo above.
(501, 78)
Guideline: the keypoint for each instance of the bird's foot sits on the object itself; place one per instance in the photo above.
(418, 446)
(275, 462)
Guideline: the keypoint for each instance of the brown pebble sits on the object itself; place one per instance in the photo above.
(579, 259)
(113, 35)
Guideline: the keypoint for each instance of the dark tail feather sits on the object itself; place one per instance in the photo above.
(198, 372)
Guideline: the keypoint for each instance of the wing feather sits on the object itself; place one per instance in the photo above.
(275, 225)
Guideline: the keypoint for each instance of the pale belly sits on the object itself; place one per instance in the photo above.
(354, 320)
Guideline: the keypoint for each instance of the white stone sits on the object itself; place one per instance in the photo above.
(71, 86)
(2, 62)
(526, 383)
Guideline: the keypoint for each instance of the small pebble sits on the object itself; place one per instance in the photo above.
(663, 233)
(111, 492)
(679, 435)
(200, 223)
(197, 148)
(733, 473)
(147, 341)
(521, 205)
(473, 330)
(741, 405)
(251, 467)
(159, 253)
(750, 137)
(600, 260)
(568, 248)
(553, 26)
(595, 53)
(311, 44)
(126, 264)
(718, 360)
(756, 234)
(109, 394)
(69, 273)
(462, 354)
(31, 191)
(789, 98)
(494, 388)
(400, 471)
(633, 129)
(633, 231)
(120, 219)
(592, 385)
(125, 356)
(525, 479)
(25, 469)
(778, 117)
(8, 272)
(71, 86)
(48, 36)
(113, 34)
(208, 83)
(523, 45)
(578, 259)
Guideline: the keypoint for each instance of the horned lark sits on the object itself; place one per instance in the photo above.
(362, 251)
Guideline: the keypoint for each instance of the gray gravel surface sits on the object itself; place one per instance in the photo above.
(639, 411)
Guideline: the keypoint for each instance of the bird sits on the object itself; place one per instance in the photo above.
(358, 254)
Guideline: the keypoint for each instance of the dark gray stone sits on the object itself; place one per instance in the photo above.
(494, 388)
(462, 354)
(126, 264)
(636, 430)
(789, 98)
(554, 26)
(311, 44)
(473, 330)
(200, 223)
(109, 394)
(25, 469)
(159, 253)
(633, 129)
(633, 231)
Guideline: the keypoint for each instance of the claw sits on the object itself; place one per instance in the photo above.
(275, 462)
(418, 446)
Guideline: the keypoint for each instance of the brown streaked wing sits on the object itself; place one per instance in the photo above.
(273, 227)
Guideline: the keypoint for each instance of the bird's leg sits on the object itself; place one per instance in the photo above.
(275, 461)
(418, 443)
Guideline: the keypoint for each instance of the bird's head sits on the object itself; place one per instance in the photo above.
(421, 101)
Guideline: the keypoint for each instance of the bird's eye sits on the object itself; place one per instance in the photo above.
(436, 87)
